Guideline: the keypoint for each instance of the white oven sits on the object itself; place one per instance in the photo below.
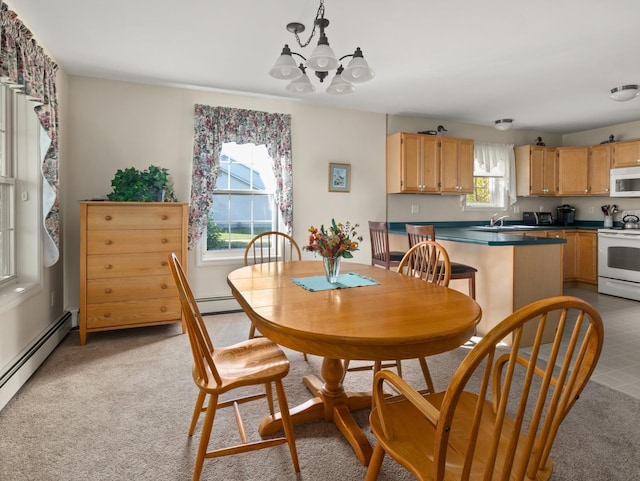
(619, 262)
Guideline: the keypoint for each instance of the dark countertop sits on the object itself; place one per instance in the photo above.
(467, 232)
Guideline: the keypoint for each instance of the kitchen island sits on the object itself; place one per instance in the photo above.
(513, 270)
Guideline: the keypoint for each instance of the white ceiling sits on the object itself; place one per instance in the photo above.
(548, 64)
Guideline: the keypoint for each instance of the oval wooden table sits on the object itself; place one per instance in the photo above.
(400, 318)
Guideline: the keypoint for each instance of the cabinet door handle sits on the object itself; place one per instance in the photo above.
(108, 266)
(163, 309)
(107, 217)
(107, 290)
(108, 242)
(165, 217)
(164, 263)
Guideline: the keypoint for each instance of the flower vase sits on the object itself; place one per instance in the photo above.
(332, 268)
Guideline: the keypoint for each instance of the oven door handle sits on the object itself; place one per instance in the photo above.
(618, 236)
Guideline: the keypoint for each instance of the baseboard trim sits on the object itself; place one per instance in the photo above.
(26, 363)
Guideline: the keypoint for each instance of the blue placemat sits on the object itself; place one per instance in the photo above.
(320, 283)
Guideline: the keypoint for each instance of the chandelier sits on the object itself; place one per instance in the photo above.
(321, 61)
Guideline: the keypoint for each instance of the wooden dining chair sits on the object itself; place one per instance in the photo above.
(420, 232)
(429, 261)
(219, 370)
(499, 416)
(380, 253)
(270, 246)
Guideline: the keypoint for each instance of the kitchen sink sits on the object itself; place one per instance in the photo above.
(501, 228)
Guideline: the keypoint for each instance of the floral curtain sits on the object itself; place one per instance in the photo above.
(496, 160)
(214, 126)
(24, 65)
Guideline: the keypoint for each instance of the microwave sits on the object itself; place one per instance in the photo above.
(625, 182)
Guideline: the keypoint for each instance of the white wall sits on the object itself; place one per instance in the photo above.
(118, 124)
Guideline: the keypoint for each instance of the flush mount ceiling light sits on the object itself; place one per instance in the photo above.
(322, 60)
(504, 124)
(624, 93)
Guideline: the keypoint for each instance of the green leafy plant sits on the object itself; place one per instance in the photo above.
(133, 185)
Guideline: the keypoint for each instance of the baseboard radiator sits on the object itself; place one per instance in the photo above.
(218, 305)
(25, 364)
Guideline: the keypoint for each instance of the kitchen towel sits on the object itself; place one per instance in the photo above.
(320, 283)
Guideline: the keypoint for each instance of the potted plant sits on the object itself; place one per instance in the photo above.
(150, 185)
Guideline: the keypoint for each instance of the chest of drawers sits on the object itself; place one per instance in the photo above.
(125, 279)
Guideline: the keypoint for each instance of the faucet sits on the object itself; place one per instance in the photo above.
(493, 221)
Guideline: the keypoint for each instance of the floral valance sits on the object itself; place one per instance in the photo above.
(24, 65)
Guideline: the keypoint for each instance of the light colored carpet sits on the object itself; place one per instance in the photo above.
(119, 407)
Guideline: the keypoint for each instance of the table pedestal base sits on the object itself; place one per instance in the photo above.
(330, 403)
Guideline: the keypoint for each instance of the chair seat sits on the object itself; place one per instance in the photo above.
(457, 269)
(244, 363)
(396, 256)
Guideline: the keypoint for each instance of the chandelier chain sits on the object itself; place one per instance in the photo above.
(319, 15)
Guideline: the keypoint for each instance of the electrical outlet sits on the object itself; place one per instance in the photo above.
(590, 209)
(53, 298)
(415, 209)
(516, 209)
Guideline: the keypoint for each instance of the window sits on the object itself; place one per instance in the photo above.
(243, 203)
(20, 198)
(493, 182)
(7, 202)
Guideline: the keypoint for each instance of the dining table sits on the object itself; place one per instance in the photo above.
(371, 313)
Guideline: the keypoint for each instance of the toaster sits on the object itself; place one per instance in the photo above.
(537, 218)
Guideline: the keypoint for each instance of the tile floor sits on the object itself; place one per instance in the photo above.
(619, 364)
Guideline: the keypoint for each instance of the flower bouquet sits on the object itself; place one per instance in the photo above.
(338, 241)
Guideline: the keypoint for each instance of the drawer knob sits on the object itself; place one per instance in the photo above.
(107, 290)
(107, 315)
(108, 242)
(163, 286)
(163, 309)
(164, 241)
(107, 217)
(108, 266)
(164, 263)
(165, 217)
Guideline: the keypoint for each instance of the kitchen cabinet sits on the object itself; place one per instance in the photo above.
(626, 154)
(428, 164)
(456, 165)
(125, 279)
(573, 170)
(536, 172)
(581, 256)
(412, 163)
(584, 170)
(599, 168)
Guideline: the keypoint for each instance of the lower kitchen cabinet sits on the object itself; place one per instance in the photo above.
(125, 278)
(581, 256)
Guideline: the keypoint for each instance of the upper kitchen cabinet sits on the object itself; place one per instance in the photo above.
(456, 165)
(626, 154)
(584, 170)
(573, 170)
(536, 172)
(413, 163)
(599, 168)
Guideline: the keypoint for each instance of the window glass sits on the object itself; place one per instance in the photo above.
(243, 199)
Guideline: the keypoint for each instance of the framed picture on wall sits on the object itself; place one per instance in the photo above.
(339, 177)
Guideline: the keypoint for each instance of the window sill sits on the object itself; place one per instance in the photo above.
(14, 294)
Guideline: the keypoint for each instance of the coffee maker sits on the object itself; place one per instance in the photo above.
(566, 214)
